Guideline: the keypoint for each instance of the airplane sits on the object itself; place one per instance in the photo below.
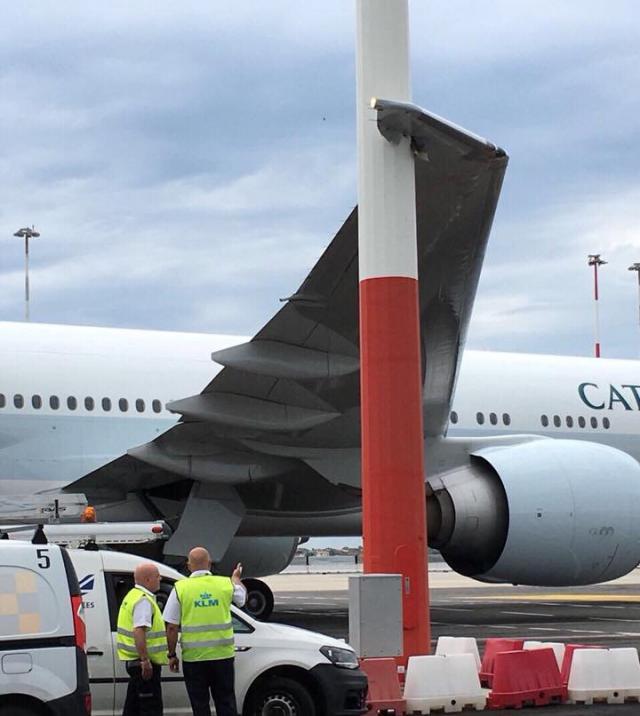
(532, 473)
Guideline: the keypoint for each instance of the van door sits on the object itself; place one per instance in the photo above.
(174, 693)
(100, 655)
(245, 656)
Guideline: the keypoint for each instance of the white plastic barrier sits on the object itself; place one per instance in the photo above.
(448, 683)
(558, 648)
(626, 668)
(449, 645)
(611, 675)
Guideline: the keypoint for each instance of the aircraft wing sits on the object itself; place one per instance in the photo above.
(287, 402)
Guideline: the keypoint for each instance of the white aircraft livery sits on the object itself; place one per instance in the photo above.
(532, 472)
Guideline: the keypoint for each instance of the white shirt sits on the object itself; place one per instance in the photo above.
(173, 612)
(143, 612)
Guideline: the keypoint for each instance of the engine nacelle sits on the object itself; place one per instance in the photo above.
(259, 557)
(545, 512)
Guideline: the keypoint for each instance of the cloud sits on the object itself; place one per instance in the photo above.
(536, 287)
(187, 166)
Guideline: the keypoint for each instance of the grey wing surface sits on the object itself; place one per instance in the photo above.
(280, 422)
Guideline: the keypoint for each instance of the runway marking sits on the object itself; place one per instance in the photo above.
(585, 631)
(612, 619)
(454, 609)
(528, 614)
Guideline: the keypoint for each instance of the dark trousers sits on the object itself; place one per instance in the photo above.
(217, 677)
(144, 698)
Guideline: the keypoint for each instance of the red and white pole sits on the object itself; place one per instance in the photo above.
(596, 261)
(636, 267)
(393, 487)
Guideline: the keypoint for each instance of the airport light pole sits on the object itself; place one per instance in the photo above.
(636, 267)
(596, 261)
(393, 485)
(26, 233)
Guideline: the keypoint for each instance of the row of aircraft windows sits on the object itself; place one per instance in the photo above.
(89, 403)
(570, 422)
(544, 420)
(493, 418)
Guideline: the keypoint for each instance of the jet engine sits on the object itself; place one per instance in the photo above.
(544, 512)
(263, 556)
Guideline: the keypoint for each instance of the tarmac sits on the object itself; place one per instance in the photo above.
(606, 614)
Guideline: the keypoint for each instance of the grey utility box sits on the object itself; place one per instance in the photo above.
(375, 614)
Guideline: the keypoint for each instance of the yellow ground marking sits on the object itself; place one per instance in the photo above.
(25, 582)
(558, 598)
(8, 604)
(29, 623)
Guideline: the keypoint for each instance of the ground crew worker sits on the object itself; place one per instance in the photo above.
(200, 608)
(142, 643)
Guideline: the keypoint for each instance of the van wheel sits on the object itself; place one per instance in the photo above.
(259, 602)
(280, 696)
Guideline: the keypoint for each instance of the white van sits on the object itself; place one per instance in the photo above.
(43, 667)
(279, 669)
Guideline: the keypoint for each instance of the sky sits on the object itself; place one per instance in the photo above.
(187, 163)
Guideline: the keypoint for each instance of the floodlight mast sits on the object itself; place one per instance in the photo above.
(596, 261)
(636, 267)
(26, 233)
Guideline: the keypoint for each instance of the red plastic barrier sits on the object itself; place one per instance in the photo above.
(568, 659)
(384, 686)
(526, 677)
(492, 647)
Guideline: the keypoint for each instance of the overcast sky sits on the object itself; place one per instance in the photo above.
(188, 162)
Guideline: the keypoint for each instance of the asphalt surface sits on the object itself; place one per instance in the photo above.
(606, 615)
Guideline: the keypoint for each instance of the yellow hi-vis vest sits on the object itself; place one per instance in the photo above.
(205, 622)
(156, 638)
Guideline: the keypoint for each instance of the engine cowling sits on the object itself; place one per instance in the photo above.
(544, 512)
(259, 557)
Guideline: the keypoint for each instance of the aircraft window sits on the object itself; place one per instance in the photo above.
(594, 422)
(544, 420)
(506, 418)
(123, 404)
(18, 400)
(569, 421)
(157, 406)
(581, 422)
(72, 403)
(454, 416)
(106, 404)
(3, 400)
(493, 418)
(89, 403)
(480, 418)
(36, 401)
(605, 423)
(556, 421)
(140, 405)
(54, 402)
